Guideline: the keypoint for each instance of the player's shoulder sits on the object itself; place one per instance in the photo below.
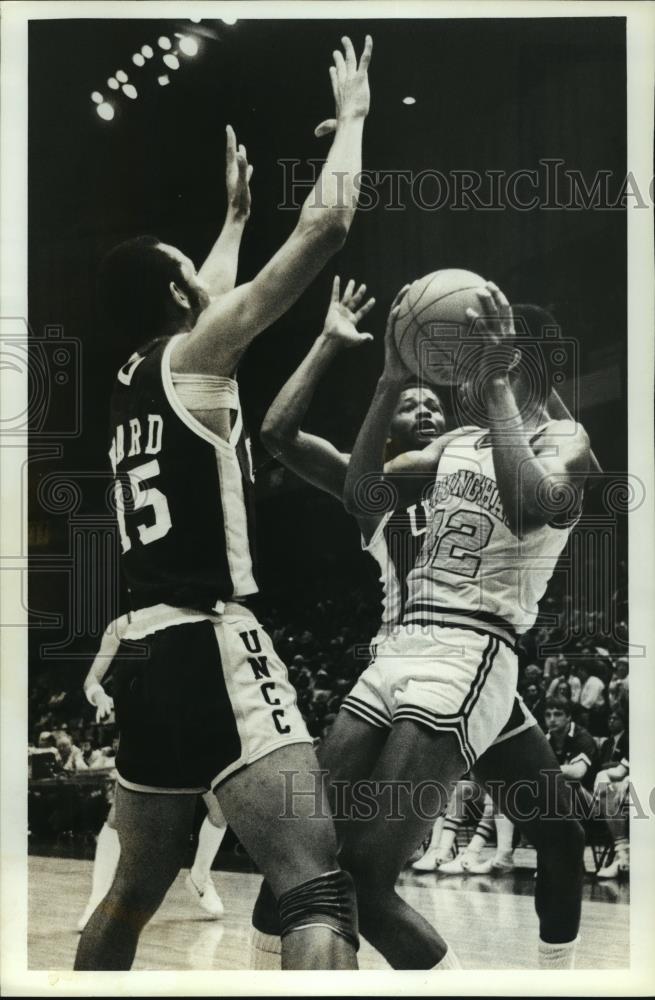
(564, 430)
(568, 436)
(129, 375)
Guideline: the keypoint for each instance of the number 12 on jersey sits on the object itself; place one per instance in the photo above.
(143, 499)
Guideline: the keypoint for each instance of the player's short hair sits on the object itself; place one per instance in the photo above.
(413, 382)
(133, 290)
(559, 704)
(530, 322)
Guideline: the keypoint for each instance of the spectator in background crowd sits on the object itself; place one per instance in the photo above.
(558, 672)
(533, 697)
(573, 746)
(611, 788)
(593, 706)
(71, 757)
(617, 689)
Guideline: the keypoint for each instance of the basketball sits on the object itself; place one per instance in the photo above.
(432, 322)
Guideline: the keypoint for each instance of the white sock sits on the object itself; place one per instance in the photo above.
(265, 951)
(448, 962)
(557, 956)
(475, 845)
(436, 834)
(447, 841)
(210, 838)
(108, 851)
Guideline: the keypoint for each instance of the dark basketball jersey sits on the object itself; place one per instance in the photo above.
(183, 495)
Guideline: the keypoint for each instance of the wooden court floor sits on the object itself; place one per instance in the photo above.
(490, 922)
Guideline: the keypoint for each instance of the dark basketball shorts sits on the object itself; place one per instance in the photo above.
(197, 698)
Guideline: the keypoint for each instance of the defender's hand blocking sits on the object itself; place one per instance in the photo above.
(349, 80)
(345, 313)
(495, 323)
(394, 366)
(237, 178)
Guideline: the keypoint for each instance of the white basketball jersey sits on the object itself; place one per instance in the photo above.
(471, 568)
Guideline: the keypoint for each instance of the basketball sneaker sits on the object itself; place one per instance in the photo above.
(431, 861)
(461, 865)
(500, 864)
(619, 868)
(207, 897)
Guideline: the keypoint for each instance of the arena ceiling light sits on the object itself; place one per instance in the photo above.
(171, 61)
(229, 20)
(163, 80)
(112, 83)
(138, 59)
(409, 100)
(164, 42)
(96, 97)
(147, 51)
(188, 45)
(121, 76)
(106, 111)
(130, 91)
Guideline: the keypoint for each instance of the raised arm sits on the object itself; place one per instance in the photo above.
(219, 271)
(228, 325)
(523, 472)
(366, 466)
(309, 456)
(93, 689)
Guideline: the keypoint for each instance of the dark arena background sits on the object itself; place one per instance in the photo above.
(542, 95)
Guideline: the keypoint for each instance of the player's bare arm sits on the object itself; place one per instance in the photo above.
(525, 473)
(226, 327)
(309, 456)
(93, 689)
(367, 466)
(219, 271)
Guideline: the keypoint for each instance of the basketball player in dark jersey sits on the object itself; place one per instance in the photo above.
(195, 671)
(367, 739)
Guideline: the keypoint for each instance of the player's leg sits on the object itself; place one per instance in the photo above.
(433, 856)
(468, 798)
(348, 755)
(613, 796)
(153, 830)
(104, 865)
(524, 780)
(278, 808)
(199, 882)
(419, 766)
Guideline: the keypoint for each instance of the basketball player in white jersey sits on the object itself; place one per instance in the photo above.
(441, 697)
(195, 670)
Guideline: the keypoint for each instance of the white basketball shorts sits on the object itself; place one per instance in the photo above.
(446, 678)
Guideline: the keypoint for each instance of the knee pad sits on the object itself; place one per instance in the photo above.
(325, 901)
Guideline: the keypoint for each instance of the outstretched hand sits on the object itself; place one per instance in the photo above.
(345, 312)
(350, 87)
(237, 177)
(495, 323)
